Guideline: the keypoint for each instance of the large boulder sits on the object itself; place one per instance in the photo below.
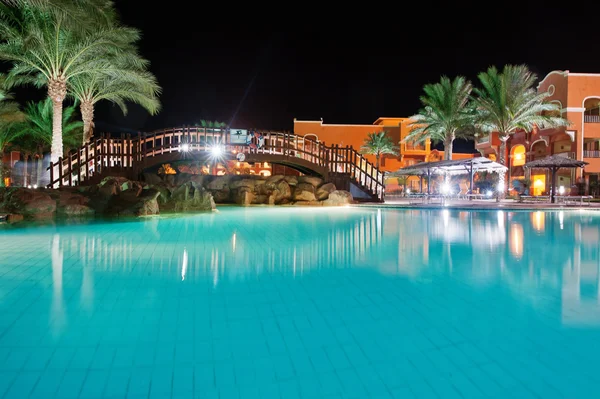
(31, 203)
(144, 204)
(244, 196)
(304, 192)
(282, 192)
(291, 180)
(165, 193)
(324, 191)
(190, 197)
(272, 180)
(315, 181)
(71, 202)
(339, 197)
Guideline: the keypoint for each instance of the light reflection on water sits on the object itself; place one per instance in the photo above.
(530, 252)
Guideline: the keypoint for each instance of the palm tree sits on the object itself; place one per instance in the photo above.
(48, 49)
(507, 102)
(378, 144)
(10, 116)
(211, 124)
(126, 84)
(39, 123)
(446, 115)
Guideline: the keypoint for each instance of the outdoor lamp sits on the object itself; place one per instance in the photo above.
(488, 193)
(408, 191)
(501, 187)
(446, 188)
(561, 190)
(185, 147)
(216, 151)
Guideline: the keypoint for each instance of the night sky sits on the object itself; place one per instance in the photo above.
(347, 69)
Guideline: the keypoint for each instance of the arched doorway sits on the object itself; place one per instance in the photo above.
(539, 177)
(517, 160)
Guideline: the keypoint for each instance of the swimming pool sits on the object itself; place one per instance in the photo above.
(304, 302)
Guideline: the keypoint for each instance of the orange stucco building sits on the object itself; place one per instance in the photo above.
(578, 96)
(354, 135)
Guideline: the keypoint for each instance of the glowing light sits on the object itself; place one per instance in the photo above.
(185, 147)
(501, 186)
(561, 219)
(446, 217)
(184, 264)
(35, 186)
(446, 188)
(216, 151)
(29, 186)
(408, 191)
(561, 190)
(488, 193)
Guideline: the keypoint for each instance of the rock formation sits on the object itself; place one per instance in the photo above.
(118, 196)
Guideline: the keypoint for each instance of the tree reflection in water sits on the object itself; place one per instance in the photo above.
(534, 254)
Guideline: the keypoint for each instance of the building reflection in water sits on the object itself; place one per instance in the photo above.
(530, 253)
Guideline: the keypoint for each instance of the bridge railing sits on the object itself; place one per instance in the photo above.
(108, 154)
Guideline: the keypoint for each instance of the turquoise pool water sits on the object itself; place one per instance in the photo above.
(304, 303)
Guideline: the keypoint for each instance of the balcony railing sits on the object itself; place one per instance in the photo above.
(591, 118)
(591, 153)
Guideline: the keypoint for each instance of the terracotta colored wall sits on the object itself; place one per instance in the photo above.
(343, 135)
(352, 135)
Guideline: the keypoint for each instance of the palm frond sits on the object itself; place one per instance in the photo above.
(378, 144)
(446, 113)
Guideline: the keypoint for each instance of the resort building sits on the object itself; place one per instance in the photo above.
(578, 96)
(354, 135)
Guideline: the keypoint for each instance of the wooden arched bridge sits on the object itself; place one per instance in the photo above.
(128, 156)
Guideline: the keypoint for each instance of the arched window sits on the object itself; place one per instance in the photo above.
(518, 155)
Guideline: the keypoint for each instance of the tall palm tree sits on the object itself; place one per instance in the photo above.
(446, 115)
(125, 84)
(378, 144)
(47, 49)
(507, 102)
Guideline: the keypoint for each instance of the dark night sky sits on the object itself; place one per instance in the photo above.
(346, 69)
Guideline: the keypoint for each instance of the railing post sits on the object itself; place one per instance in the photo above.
(51, 174)
(60, 172)
(87, 161)
(79, 166)
(70, 170)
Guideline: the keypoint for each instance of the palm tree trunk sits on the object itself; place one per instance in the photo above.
(40, 170)
(57, 91)
(448, 149)
(502, 155)
(377, 160)
(87, 115)
(25, 159)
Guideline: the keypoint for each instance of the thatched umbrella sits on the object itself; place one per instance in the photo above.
(554, 163)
